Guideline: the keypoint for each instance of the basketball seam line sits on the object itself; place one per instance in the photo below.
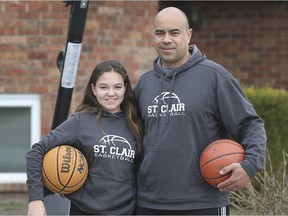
(220, 157)
(65, 186)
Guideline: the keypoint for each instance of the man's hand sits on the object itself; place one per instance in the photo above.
(238, 180)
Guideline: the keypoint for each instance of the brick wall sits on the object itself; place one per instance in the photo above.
(33, 33)
(250, 39)
(13, 188)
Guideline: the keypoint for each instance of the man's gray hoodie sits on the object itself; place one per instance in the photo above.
(184, 111)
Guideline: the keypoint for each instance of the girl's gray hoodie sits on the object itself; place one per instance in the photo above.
(183, 111)
(110, 187)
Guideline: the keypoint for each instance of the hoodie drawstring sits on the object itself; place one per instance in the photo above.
(169, 102)
(170, 98)
(159, 105)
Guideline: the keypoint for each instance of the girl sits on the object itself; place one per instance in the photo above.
(106, 130)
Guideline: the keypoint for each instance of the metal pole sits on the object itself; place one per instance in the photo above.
(67, 61)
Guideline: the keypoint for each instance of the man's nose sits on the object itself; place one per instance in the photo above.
(167, 38)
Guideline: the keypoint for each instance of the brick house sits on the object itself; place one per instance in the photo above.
(250, 40)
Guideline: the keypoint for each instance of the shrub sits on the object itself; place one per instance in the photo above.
(271, 195)
(272, 106)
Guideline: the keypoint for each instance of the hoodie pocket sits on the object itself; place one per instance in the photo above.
(169, 175)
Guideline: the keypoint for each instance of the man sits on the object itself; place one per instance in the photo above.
(186, 102)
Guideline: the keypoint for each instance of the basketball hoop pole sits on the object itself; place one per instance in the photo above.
(67, 61)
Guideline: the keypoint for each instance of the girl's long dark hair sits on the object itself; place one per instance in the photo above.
(90, 103)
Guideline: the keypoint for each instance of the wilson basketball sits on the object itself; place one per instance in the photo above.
(64, 169)
(216, 156)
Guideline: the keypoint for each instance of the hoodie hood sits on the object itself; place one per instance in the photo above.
(196, 57)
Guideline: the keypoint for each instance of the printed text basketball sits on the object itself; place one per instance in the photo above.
(216, 156)
(64, 170)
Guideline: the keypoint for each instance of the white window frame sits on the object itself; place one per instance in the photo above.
(33, 102)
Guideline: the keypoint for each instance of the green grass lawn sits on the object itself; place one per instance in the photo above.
(13, 208)
(13, 203)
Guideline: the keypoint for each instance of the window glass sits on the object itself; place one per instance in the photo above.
(15, 138)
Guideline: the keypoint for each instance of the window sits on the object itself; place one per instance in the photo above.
(19, 128)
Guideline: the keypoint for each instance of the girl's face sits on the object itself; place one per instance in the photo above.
(109, 90)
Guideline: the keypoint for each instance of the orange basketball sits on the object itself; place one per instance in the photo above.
(64, 169)
(216, 156)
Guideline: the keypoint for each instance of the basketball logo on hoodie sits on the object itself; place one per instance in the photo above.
(165, 103)
(114, 147)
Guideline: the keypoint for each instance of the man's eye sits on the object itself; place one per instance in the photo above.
(175, 33)
(159, 33)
